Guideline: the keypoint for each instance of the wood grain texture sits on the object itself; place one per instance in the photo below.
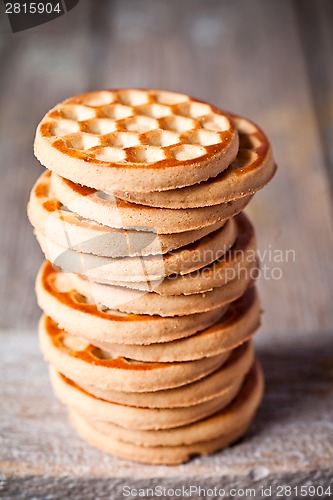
(315, 23)
(290, 441)
(255, 58)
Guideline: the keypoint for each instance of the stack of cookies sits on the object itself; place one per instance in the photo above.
(148, 288)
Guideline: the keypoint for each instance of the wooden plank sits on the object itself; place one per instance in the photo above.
(234, 54)
(212, 61)
(289, 443)
(40, 71)
(226, 62)
(315, 22)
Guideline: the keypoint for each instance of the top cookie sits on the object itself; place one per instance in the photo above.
(139, 140)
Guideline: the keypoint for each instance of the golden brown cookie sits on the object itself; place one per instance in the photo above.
(233, 370)
(240, 261)
(78, 316)
(136, 302)
(105, 269)
(144, 140)
(110, 211)
(71, 231)
(79, 360)
(174, 446)
(239, 323)
(132, 417)
(253, 167)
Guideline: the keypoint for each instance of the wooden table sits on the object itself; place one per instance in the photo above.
(269, 60)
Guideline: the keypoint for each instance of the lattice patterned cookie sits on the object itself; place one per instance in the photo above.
(78, 316)
(141, 140)
(105, 269)
(131, 417)
(234, 369)
(253, 167)
(106, 209)
(78, 359)
(178, 445)
(240, 260)
(236, 326)
(133, 301)
(69, 230)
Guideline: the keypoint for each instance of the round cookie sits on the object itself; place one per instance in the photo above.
(205, 436)
(144, 140)
(105, 269)
(136, 302)
(131, 417)
(253, 167)
(239, 323)
(240, 260)
(110, 211)
(209, 387)
(77, 316)
(76, 358)
(71, 231)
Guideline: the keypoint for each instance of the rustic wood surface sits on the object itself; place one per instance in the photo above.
(271, 61)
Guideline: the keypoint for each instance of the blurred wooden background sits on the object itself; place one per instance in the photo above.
(269, 60)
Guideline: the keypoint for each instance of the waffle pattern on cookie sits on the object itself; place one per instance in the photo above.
(253, 167)
(136, 128)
